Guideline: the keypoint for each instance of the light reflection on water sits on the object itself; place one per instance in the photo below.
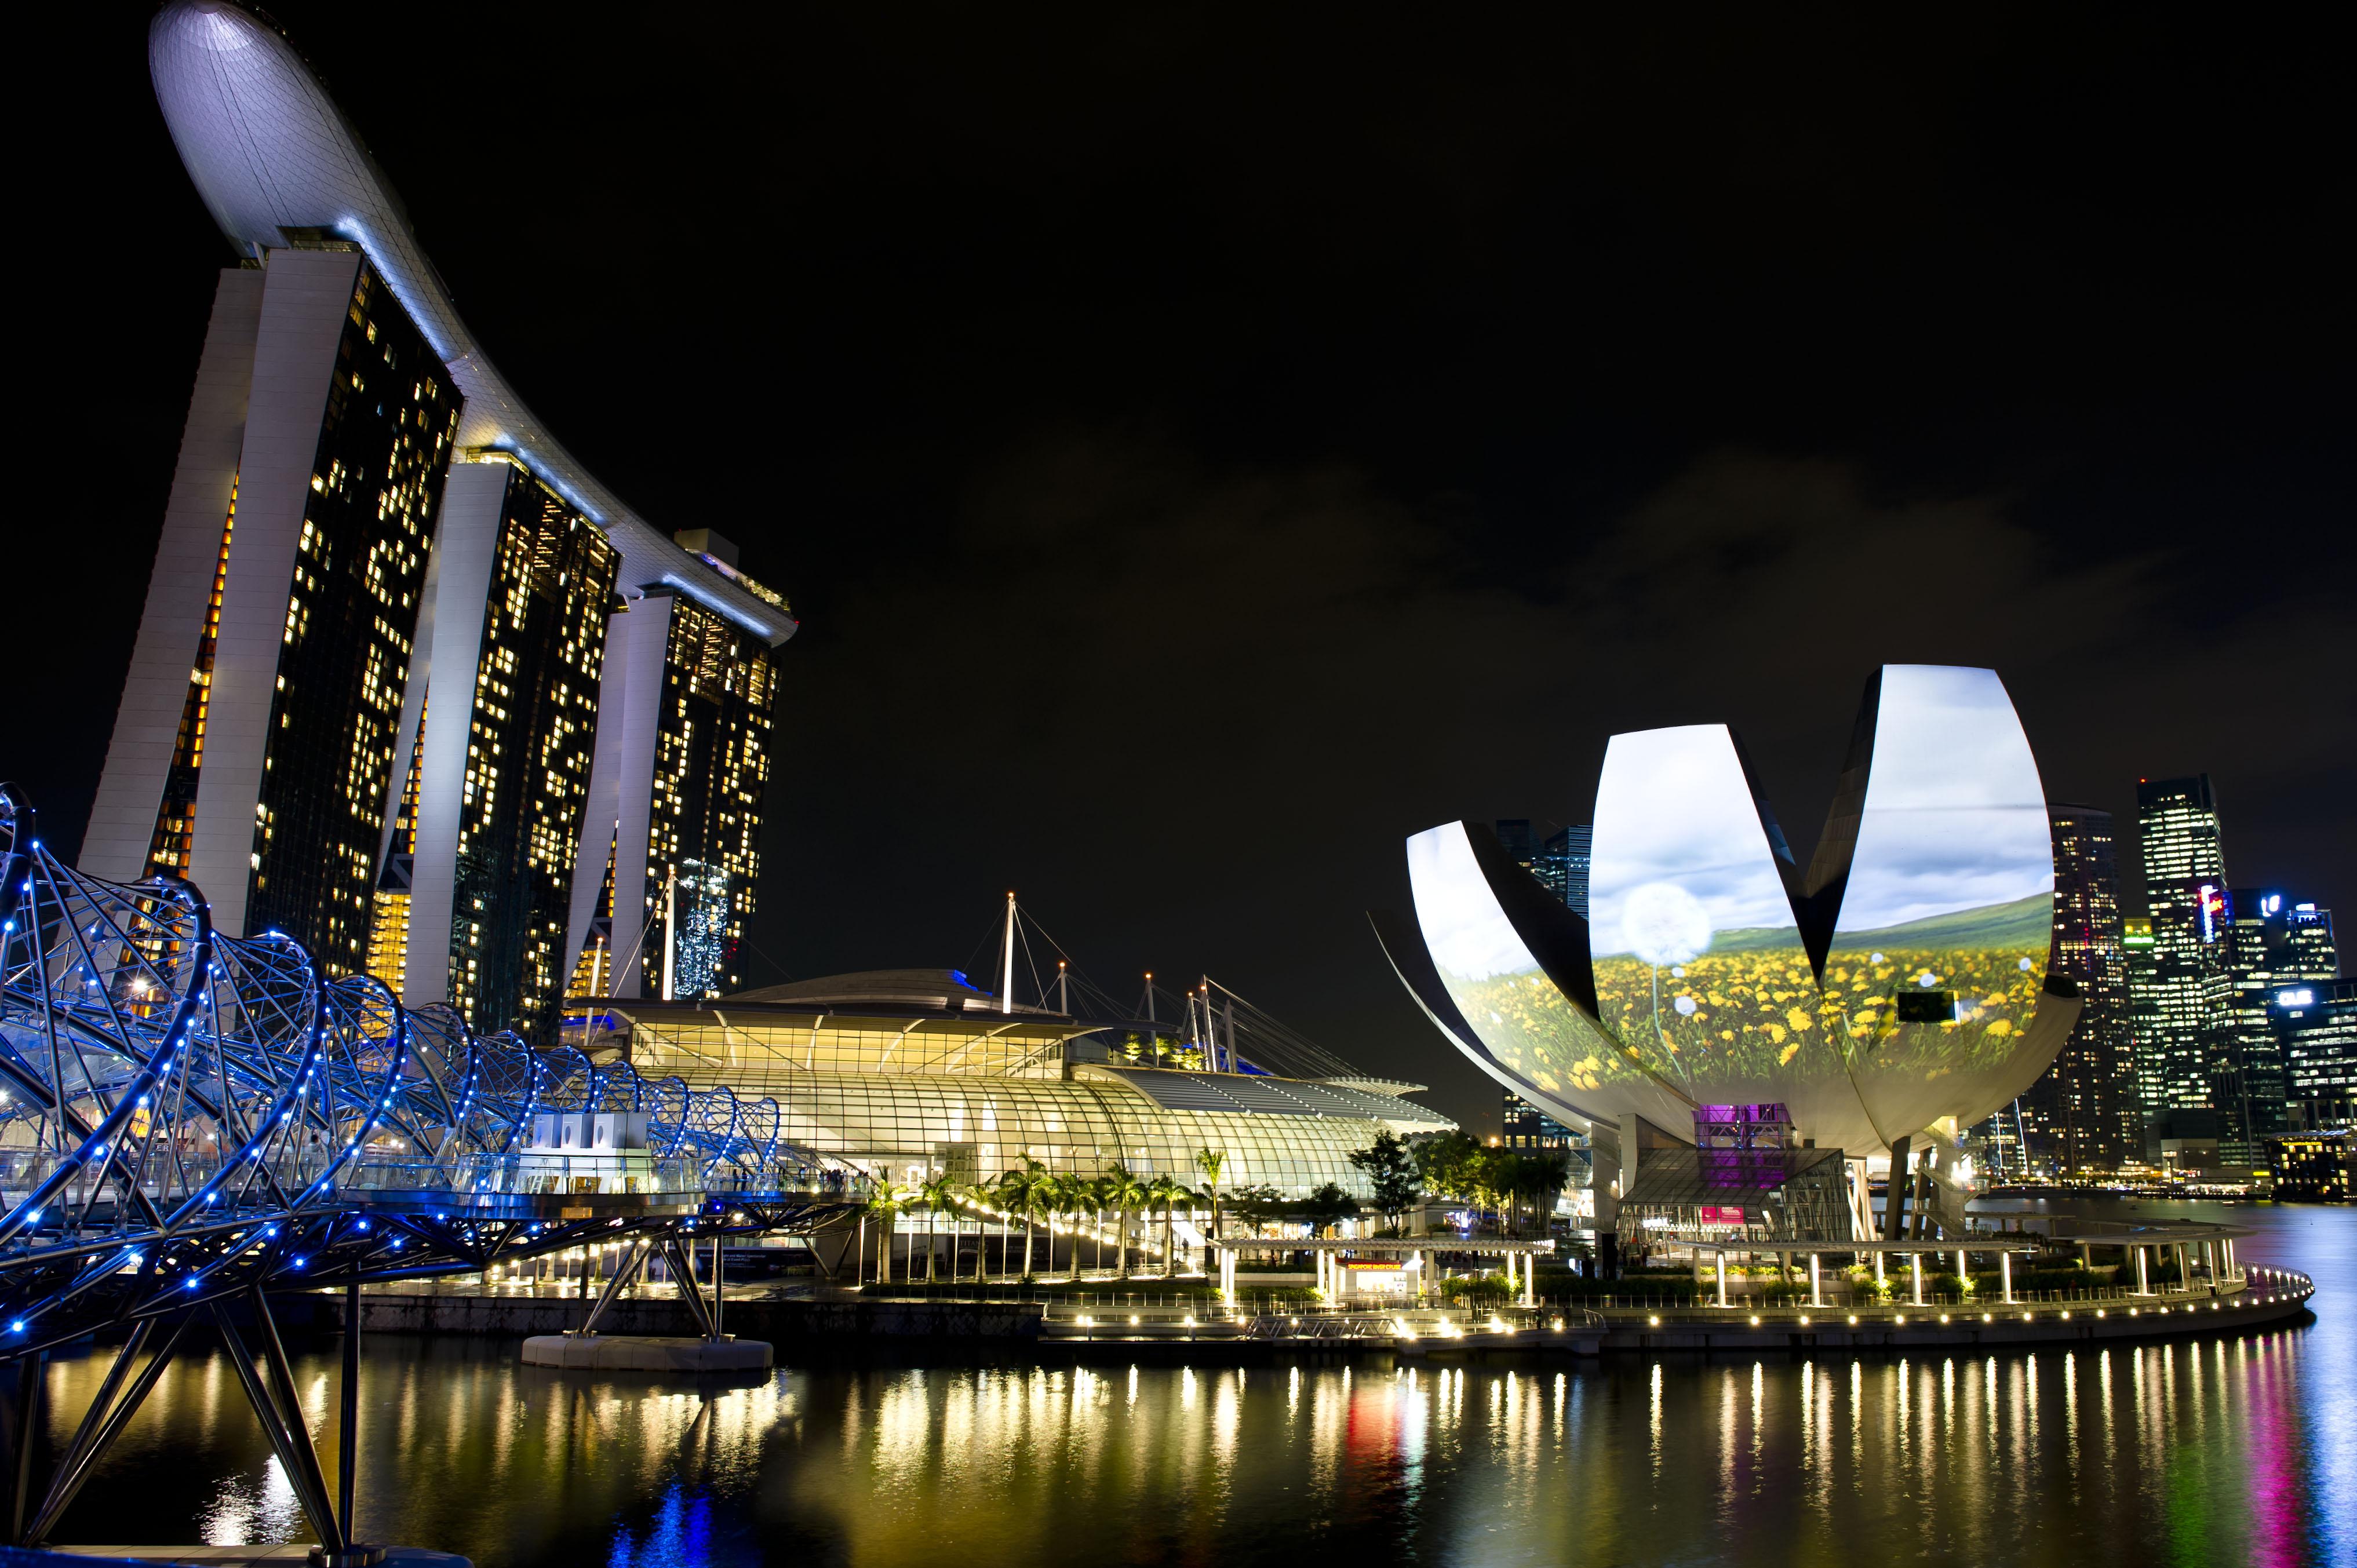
(2191, 1450)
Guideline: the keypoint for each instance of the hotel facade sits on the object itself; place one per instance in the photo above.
(410, 684)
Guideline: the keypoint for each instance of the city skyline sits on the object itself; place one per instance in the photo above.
(1635, 545)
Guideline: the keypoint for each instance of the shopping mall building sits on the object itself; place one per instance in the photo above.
(910, 1073)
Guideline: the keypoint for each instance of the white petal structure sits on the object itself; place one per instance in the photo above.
(279, 165)
(1897, 985)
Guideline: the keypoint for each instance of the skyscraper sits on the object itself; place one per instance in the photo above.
(1560, 862)
(2145, 1014)
(375, 684)
(2280, 948)
(1569, 851)
(2083, 1111)
(2317, 1022)
(1526, 1126)
(2192, 927)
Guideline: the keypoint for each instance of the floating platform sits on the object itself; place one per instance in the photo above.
(647, 1353)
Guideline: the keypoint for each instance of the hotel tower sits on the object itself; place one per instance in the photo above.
(410, 684)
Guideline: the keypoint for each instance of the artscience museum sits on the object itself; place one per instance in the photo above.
(1728, 1010)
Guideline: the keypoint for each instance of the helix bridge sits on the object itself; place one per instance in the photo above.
(192, 1120)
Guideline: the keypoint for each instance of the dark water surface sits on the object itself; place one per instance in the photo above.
(2214, 1450)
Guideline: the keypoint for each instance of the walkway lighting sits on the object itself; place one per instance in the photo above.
(1657, 1321)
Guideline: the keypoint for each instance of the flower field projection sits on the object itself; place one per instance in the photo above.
(1535, 1030)
(1760, 1015)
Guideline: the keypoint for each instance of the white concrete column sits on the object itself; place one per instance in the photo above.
(304, 296)
(2004, 1275)
(2144, 1277)
(179, 590)
(473, 498)
(1722, 1279)
(1816, 1292)
(1530, 1279)
(621, 792)
(1915, 1271)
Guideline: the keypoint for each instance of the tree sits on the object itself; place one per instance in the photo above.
(1167, 1190)
(1023, 1190)
(1127, 1192)
(1390, 1167)
(1258, 1205)
(1328, 1206)
(1212, 1162)
(938, 1192)
(1447, 1163)
(884, 1206)
(982, 1195)
(1071, 1198)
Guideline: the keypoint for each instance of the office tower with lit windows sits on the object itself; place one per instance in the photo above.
(1569, 849)
(376, 678)
(2083, 1114)
(1559, 862)
(2316, 1025)
(1526, 1126)
(2144, 1029)
(254, 742)
(2280, 949)
(2187, 900)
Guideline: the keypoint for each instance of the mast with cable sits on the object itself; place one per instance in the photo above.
(1007, 981)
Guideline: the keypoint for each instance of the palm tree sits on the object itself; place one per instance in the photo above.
(884, 1206)
(1167, 1190)
(1127, 1193)
(1069, 1198)
(980, 1194)
(1100, 1193)
(1212, 1162)
(937, 1193)
(1023, 1189)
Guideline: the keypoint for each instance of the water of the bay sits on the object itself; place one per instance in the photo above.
(2218, 1449)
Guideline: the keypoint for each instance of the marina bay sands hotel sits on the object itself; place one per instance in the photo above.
(410, 684)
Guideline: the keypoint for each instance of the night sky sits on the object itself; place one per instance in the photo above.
(1204, 448)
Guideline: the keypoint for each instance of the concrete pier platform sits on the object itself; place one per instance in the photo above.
(647, 1353)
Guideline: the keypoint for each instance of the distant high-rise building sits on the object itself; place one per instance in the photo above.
(2083, 1112)
(2282, 950)
(397, 638)
(2145, 1014)
(1560, 862)
(1528, 1127)
(1569, 850)
(2316, 1023)
(2192, 945)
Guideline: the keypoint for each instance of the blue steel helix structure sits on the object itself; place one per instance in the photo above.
(186, 1115)
(192, 1122)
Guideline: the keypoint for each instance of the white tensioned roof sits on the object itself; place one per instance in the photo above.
(269, 152)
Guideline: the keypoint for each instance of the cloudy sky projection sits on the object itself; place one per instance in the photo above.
(1468, 935)
(1955, 817)
(1672, 808)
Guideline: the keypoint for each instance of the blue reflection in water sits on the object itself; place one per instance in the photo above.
(679, 1535)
